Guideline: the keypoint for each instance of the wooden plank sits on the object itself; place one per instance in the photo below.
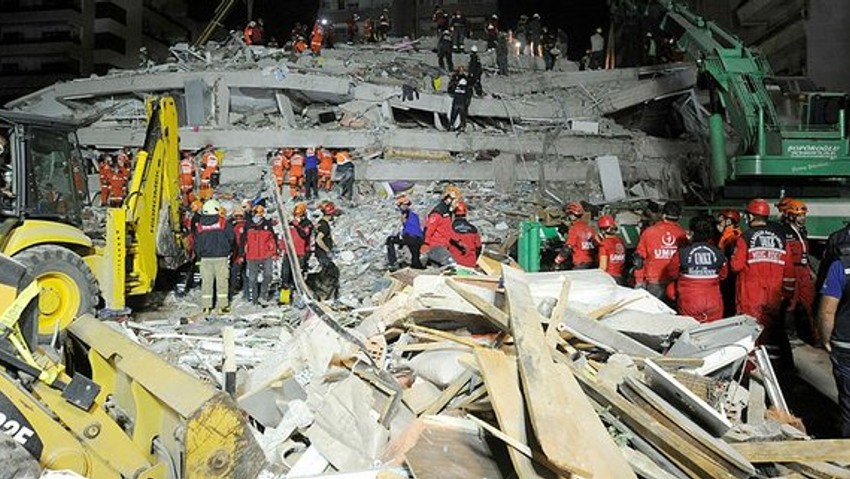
(567, 428)
(819, 470)
(819, 450)
(610, 308)
(436, 334)
(502, 381)
(449, 393)
(558, 314)
(470, 456)
(496, 316)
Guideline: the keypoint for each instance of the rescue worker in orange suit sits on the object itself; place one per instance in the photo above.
(295, 165)
(261, 248)
(579, 251)
(612, 250)
(187, 178)
(729, 231)
(279, 161)
(300, 45)
(123, 162)
(209, 172)
(104, 171)
(697, 270)
(801, 307)
(248, 33)
(410, 235)
(765, 276)
(237, 257)
(326, 164)
(438, 229)
(656, 247)
(316, 38)
(301, 230)
(117, 185)
(465, 244)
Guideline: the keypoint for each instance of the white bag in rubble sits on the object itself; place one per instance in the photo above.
(441, 366)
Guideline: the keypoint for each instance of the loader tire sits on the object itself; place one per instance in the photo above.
(68, 287)
(15, 461)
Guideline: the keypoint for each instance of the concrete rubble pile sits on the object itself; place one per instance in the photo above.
(532, 125)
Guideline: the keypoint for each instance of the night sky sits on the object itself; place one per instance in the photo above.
(578, 17)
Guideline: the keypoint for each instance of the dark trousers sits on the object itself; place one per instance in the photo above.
(346, 184)
(841, 371)
(413, 244)
(475, 81)
(286, 277)
(502, 62)
(311, 182)
(548, 60)
(458, 111)
(458, 36)
(491, 43)
(323, 257)
(444, 59)
(237, 270)
(597, 59)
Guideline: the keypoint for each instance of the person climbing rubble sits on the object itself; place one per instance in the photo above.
(210, 173)
(345, 171)
(475, 72)
(351, 29)
(301, 231)
(696, 271)
(656, 248)
(326, 165)
(460, 91)
(261, 249)
(214, 240)
(465, 243)
(279, 162)
(579, 250)
(311, 173)
(187, 178)
(295, 166)
(491, 31)
(438, 229)
(612, 249)
(237, 256)
(299, 46)
(317, 38)
(458, 28)
(444, 51)
(410, 235)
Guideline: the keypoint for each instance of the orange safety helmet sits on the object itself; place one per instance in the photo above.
(403, 200)
(329, 208)
(451, 190)
(197, 205)
(783, 204)
(299, 209)
(606, 221)
(758, 207)
(259, 210)
(460, 209)
(796, 208)
(574, 208)
(731, 214)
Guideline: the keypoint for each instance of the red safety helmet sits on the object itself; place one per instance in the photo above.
(574, 208)
(796, 208)
(733, 215)
(329, 208)
(783, 203)
(606, 221)
(460, 209)
(758, 207)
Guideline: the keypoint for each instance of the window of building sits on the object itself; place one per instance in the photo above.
(110, 41)
(110, 10)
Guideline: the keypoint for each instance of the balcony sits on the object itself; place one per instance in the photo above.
(19, 6)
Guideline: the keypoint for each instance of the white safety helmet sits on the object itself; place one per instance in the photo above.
(211, 207)
(474, 49)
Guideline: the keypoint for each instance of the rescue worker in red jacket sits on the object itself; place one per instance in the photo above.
(295, 165)
(187, 178)
(237, 257)
(209, 173)
(656, 247)
(301, 230)
(801, 307)
(117, 185)
(612, 250)
(261, 247)
(697, 270)
(729, 230)
(279, 161)
(326, 165)
(465, 243)
(438, 229)
(765, 277)
(104, 171)
(579, 251)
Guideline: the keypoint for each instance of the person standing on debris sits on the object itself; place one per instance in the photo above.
(237, 256)
(326, 165)
(458, 27)
(311, 173)
(465, 244)
(279, 161)
(410, 236)
(187, 178)
(300, 45)
(209, 172)
(650, 50)
(729, 231)
(563, 42)
(460, 91)
(383, 25)
(765, 277)
(368, 30)
(104, 171)
(534, 31)
(579, 251)
(248, 33)
(345, 170)
(213, 244)
(597, 50)
(491, 32)
(549, 49)
(801, 307)
(522, 33)
(834, 327)
(612, 250)
(352, 29)
(261, 244)
(444, 51)
(502, 53)
(324, 237)
(697, 270)
(656, 247)
(117, 184)
(440, 18)
(475, 72)
(316, 38)
(295, 165)
(301, 231)
(438, 229)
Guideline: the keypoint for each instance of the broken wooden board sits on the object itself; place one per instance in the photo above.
(819, 470)
(558, 313)
(583, 327)
(571, 438)
(819, 450)
(502, 380)
(496, 316)
(450, 448)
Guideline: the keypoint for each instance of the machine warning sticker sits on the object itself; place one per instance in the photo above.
(13, 423)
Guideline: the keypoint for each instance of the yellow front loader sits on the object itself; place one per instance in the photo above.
(44, 199)
(116, 411)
